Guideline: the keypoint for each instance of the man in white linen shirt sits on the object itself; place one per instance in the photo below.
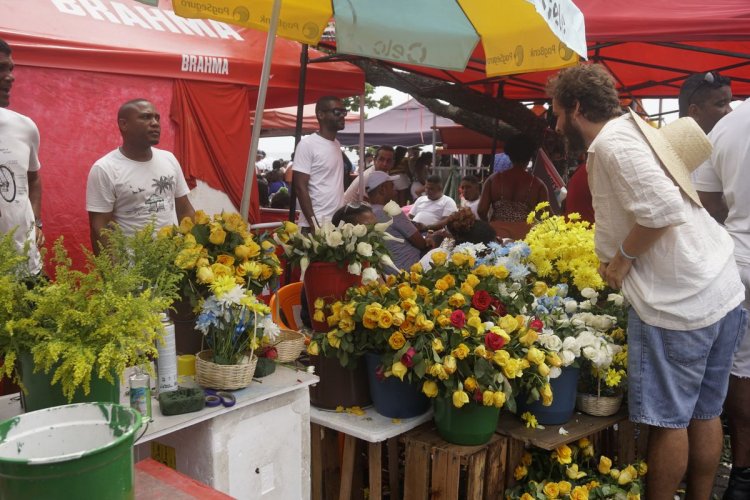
(674, 264)
(319, 166)
(724, 179)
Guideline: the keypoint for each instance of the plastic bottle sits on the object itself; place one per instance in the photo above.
(140, 392)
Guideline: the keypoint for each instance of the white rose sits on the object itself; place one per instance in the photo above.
(334, 238)
(571, 344)
(355, 268)
(359, 230)
(551, 341)
(369, 275)
(615, 298)
(567, 357)
(350, 246)
(392, 209)
(589, 292)
(602, 323)
(382, 226)
(585, 305)
(571, 306)
(346, 230)
(364, 249)
(554, 372)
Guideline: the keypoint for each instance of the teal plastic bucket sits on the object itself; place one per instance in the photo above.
(81, 451)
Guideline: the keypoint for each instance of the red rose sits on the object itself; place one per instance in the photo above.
(481, 300)
(477, 395)
(494, 341)
(380, 373)
(499, 307)
(406, 359)
(458, 319)
(536, 324)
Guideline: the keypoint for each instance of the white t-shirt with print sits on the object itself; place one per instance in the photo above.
(321, 159)
(19, 155)
(136, 192)
(428, 212)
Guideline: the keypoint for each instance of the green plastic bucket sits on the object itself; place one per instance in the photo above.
(81, 451)
(472, 424)
(40, 393)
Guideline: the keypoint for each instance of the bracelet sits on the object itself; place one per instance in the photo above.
(624, 254)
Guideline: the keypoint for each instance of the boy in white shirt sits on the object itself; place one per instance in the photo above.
(431, 210)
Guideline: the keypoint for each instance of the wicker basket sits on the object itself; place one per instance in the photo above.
(598, 406)
(289, 345)
(226, 377)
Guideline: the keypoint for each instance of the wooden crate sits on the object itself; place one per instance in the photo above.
(436, 469)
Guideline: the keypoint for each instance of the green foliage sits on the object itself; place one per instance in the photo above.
(352, 103)
(99, 321)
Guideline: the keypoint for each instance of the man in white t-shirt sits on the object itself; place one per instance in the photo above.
(383, 163)
(136, 183)
(724, 179)
(319, 166)
(471, 189)
(431, 210)
(20, 182)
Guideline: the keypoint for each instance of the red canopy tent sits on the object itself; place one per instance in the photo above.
(280, 122)
(649, 46)
(77, 61)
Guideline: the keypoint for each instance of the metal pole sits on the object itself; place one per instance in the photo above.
(258, 124)
(303, 58)
(434, 141)
(361, 169)
(498, 95)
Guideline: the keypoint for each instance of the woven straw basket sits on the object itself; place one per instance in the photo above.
(598, 406)
(225, 377)
(289, 345)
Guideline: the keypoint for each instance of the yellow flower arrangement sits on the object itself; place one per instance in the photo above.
(562, 249)
(223, 246)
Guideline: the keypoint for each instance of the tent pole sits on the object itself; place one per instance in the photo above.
(498, 95)
(303, 58)
(258, 123)
(434, 141)
(361, 169)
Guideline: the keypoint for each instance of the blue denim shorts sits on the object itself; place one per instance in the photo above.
(675, 376)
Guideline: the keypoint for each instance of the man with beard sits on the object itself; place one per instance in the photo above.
(319, 166)
(674, 264)
(20, 182)
(136, 183)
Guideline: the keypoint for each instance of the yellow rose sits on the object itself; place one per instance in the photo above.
(466, 289)
(482, 270)
(187, 258)
(543, 369)
(422, 291)
(535, 356)
(217, 235)
(500, 272)
(398, 318)
(202, 262)
(460, 398)
(408, 328)
(438, 371)
(476, 324)
(461, 351)
(441, 285)
(406, 292)
(539, 288)
(498, 399)
(205, 275)
(268, 246)
(526, 496)
(487, 397)
(347, 324)
(220, 269)
(563, 454)
(564, 487)
(290, 227)
(480, 351)
(226, 260)
(437, 345)
(450, 280)
(554, 360)
(443, 321)
(186, 224)
(521, 473)
(430, 388)
(399, 369)
(627, 475)
(551, 490)
(526, 459)
(634, 496)
(500, 357)
(333, 340)
(438, 258)
(313, 349)
(385, 320)
(449, 362)
(319, 316)
(546, 393)
(472, 280)
(642, 468)
(528, 338)
(396, 341)
(201, 217)
(508, 323)
(242, 252)
(579, 493)
(457, 300)
(573, 473)
(605, 464)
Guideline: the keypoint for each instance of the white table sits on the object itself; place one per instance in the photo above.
(372, 428)
(259, 448)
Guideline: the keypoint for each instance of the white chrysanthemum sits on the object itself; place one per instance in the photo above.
(270, 329)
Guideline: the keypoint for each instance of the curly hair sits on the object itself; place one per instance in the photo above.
(465, 228)
(589, 85)
(520, 148)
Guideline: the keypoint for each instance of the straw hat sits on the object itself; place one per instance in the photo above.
(681, 146)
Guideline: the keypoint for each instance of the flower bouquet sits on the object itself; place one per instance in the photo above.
(231, 319)
(222, 246)
(576, 473)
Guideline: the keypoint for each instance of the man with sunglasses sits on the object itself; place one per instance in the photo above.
(319, 166)
(705, 97)
(724, 180)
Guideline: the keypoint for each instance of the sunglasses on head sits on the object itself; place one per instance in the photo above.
(711, 80)
(355, 205)
(338, 112)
